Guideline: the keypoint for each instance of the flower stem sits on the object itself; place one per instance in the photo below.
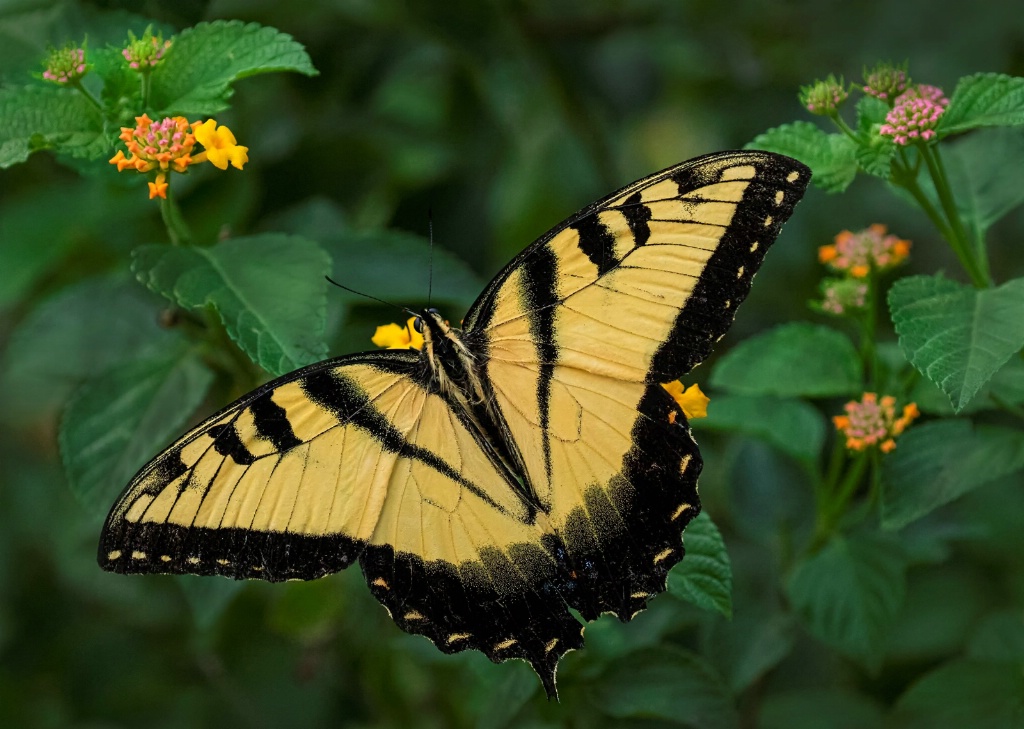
(77, 84)
(147, 85)
(868, 351)
(980, 277)
(177, 228)
(845, 128)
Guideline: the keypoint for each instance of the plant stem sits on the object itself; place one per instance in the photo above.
(85, 92)
(845, 128)
(177, 228)
(958, 236)
(868, 351)
(147, 85)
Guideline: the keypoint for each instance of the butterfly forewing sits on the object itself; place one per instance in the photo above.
(629, 293)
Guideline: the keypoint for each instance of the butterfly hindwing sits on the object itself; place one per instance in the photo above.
(354, 459)
(629, 293)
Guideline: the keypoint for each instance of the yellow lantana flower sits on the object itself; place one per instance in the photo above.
(693, 402)
(166, 146)
(220, 144)
(393, 336)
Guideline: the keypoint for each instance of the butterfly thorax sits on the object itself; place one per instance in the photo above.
(453, 368)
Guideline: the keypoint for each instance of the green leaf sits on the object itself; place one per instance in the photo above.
(662, 683)
(939, 461)
(269, 291)
(207, 599)
(34, 239)
(75, 334)
(850, 592)
(751, 644)
(195, 77)
(792, 426)
(396, 266)
(509, 695)
(999, 638)
(964, 693)
(985, 185)
(871, 113)
(1006, 387)
(807, 708)
(875, 156)
(704, 577)
(792, 360)
(955, 335)
(118, 421)
(874, 152)
(46, 117)
(831, 157)
(984, 100)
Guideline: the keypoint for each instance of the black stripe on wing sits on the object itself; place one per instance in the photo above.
(540, 291)
(725, 282)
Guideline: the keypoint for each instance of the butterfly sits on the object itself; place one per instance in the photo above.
(525, 464)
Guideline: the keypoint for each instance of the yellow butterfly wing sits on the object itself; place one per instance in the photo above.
(352, 459)
(629, 293)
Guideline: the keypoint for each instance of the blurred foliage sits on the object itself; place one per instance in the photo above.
(501, 118)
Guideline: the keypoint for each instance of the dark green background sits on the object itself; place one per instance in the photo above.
(502, 118)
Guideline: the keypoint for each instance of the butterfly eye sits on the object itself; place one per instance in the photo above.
(432, 310)
(418, 325)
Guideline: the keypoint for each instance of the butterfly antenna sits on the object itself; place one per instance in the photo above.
(374, 298)
(430, 233)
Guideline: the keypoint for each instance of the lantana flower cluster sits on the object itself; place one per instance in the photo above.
(142, 54)
(915, 109)
(873, 421)
(886, 81)
(915, 114)
(65, 65)
(824, 97)
(166, 146)
(871, 249)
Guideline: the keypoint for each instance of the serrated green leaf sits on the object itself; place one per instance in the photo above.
(984, 100)
(985, 186)
(45, 117)
(871, 113)
(792, 360)
(850, 592)
(196, 75)
(704, 577)
(116, 422)
(396, 266)
(875, 156)
(939, 461)
(955, 335)
(662, 683)
(999, 638)
(269, 291)
(792, 426)
(808, 708)
(961, 694)
(1006, 387)
(831, 157)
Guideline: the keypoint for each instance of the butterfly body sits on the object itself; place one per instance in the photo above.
(525, 464)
